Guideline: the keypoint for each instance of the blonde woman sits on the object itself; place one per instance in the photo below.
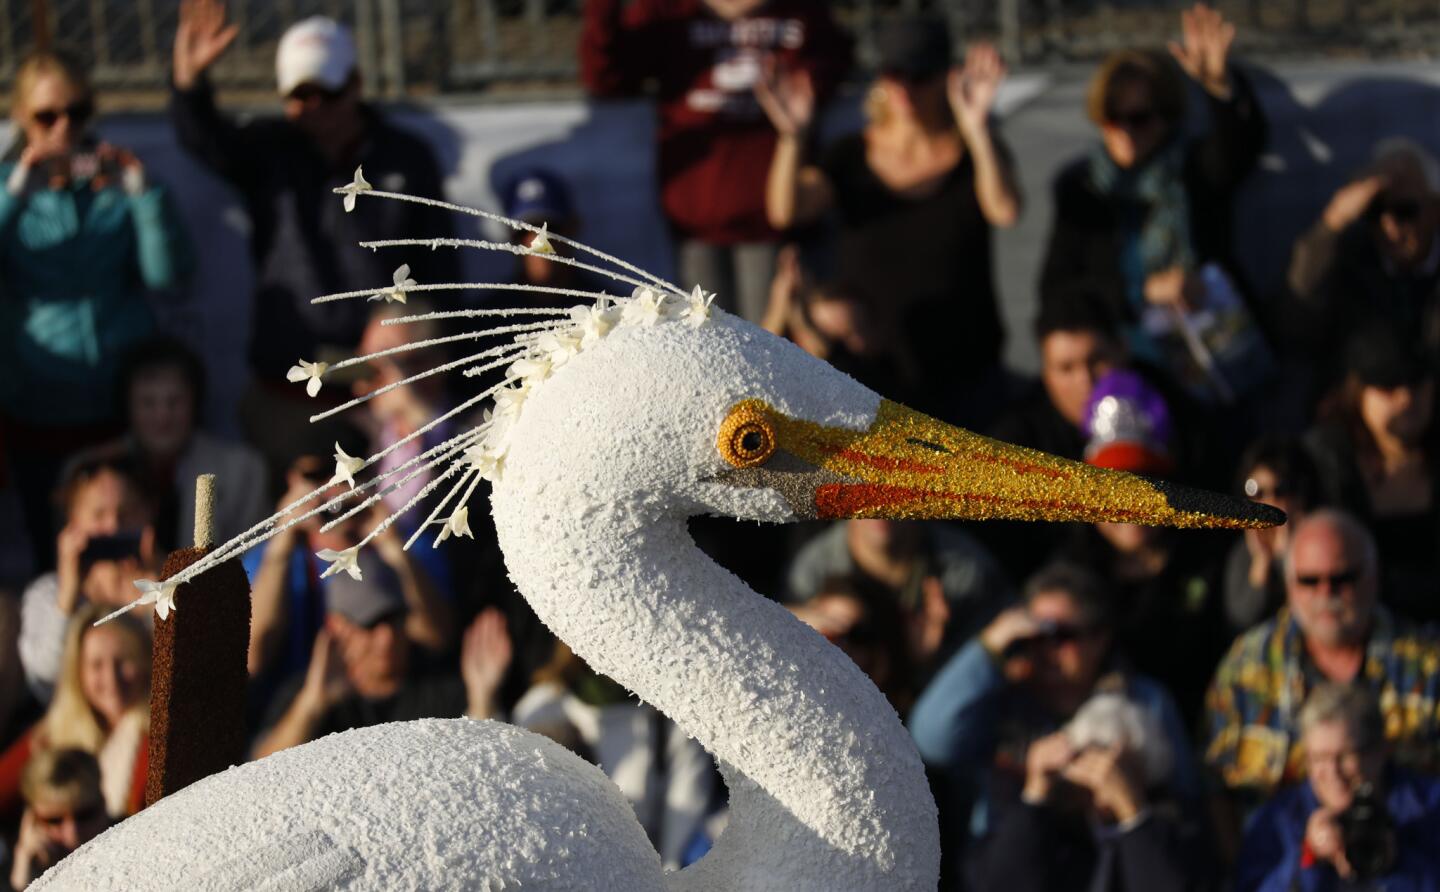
(82, 236)
(917, 192)
(101, 706)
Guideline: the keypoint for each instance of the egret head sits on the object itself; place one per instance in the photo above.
(724, 418)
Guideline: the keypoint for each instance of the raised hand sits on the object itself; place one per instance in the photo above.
(973, 87)
(1205, 50)
(201, 37)
(326, 682)
(788, 98)
(1352, 200)
(485, 656)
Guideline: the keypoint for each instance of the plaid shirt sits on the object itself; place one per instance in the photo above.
(1253, 706)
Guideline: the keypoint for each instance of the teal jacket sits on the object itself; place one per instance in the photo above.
(74, 267)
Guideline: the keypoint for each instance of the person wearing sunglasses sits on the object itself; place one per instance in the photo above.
(1332, 629)
(1142, 223)
(83, 236)
(285, 169)
(1021, 679)
(64, 809)
(1374, 254)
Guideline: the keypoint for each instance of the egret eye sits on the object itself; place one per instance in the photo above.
(747, 438)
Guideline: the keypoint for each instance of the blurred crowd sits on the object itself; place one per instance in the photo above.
(1101, 707)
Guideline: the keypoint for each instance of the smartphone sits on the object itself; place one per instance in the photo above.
(111, 548)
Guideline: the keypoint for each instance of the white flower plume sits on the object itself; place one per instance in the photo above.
(403, 282)
(556, 347)
(488, 462)
(161, 594)
(347, 561)
(531, 369)
(345, 467)
(645, 307)
(593, 322)
(541, 243)
(313, 371)
(698, 310)
(352, 189)
(457, 525)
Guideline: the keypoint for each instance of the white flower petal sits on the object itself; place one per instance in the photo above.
(313, 387)
(296, 373)
(541, 243)
(346, 561)
(402, 276)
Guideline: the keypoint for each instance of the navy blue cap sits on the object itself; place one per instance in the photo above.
(538, 195)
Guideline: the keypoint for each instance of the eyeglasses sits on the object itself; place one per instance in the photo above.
(1132, 120)
(1342, 579)
(76, 112)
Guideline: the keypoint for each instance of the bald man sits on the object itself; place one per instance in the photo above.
(1332, 628)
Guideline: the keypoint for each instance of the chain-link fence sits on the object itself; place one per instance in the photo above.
(429, 47)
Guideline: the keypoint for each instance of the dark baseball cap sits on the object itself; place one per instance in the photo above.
(375, 596)
(538, 196)
(913, 48)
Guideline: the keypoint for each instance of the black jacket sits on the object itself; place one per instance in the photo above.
(1083, 256)
(302, 241)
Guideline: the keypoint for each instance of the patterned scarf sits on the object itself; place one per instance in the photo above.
(1154, 212)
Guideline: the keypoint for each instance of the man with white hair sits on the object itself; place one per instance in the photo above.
(1375, 251)
(1333, 629)
(1356, 822)
(286, 170)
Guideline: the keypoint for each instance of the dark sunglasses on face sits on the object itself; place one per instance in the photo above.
(1133, 120)
(1342, 579)
(76, 112)
(80, 815)
(1401, 210)
(310, 94)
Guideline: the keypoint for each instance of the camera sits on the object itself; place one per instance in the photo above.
(110, 548)
(1368, 834)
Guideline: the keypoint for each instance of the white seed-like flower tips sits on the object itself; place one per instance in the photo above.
(541, 243)
(457, 525)
(403, 283)
(161, 594)
(347, 561)
(346, 467)
(698, 310)
(352, 189)
(310, 372)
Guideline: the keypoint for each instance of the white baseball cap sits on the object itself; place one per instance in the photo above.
(318, 50)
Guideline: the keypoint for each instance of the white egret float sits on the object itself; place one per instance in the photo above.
(617, 422)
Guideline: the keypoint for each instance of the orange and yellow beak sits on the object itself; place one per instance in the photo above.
(908, 466)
